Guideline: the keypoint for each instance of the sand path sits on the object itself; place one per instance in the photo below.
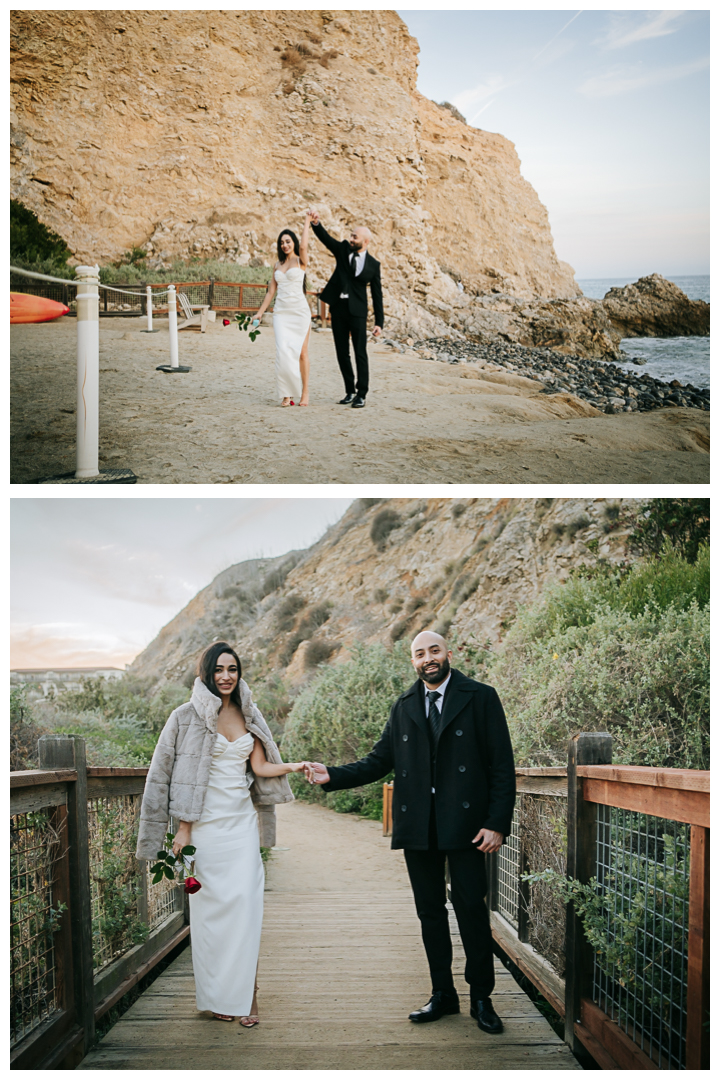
(425, 422)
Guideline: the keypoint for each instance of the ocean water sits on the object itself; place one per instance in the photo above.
(686, 359)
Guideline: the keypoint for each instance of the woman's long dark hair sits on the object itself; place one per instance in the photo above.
(206, 669)
(296, 245)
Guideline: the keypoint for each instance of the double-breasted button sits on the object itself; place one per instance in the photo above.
(461, 768)
(459, 731)
(405, 738)
(404, 772)
(466, 806)
(403, 808)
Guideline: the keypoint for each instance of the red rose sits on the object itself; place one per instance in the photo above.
(226, 322)
(192, 885)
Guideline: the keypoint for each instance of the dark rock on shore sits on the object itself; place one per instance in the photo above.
(602, 384)
(655, 307)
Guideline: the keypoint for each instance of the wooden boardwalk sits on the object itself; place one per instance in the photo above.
(341, 966)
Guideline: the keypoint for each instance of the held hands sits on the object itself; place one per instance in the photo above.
(315, 773)
(490, 841)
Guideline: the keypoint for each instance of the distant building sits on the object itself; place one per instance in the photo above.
(41, 679)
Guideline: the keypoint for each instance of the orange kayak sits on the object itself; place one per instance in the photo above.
(27, 308)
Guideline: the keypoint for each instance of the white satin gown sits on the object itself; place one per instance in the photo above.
(226, 914)
(291, 322)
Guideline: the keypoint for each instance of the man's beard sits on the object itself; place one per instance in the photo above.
(355, 245)
(439, 676)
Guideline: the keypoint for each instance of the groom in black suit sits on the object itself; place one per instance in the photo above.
(346, 295)
(454, 793)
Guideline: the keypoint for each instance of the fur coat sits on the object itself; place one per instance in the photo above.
(180, 768)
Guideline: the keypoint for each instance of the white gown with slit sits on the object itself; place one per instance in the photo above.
(291, 322)
(226, 914)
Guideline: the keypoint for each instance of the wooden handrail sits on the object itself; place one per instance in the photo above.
(675, 779)
(38, 777)
(96, 770)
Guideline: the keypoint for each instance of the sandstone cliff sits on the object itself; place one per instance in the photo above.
(197, 133)
(386, 570)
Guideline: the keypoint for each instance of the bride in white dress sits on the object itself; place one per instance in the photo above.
(291, 316)
(226, 913)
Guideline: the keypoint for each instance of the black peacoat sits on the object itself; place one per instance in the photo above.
(474, 768)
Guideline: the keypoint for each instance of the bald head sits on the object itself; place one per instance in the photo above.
(360, 237)
(431, 657)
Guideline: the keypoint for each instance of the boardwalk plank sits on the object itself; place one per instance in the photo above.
(339, 973)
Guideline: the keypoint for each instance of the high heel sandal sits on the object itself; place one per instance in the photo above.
(220, 1016)
(253, 1019)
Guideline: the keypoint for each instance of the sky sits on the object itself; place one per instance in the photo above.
(609, 114)
(94, 580)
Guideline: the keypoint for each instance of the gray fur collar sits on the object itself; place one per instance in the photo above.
(207, 705)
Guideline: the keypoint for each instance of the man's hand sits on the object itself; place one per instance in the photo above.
(314, 217)
(490, 841)
(317, 773)
(377, 331)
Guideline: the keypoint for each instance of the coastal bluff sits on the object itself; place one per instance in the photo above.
(202, 133)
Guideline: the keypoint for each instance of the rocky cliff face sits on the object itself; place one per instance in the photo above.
(203, 133)
(388, 569)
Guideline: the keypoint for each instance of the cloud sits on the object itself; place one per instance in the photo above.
(48, 645)
(624, 80)
(655, 24)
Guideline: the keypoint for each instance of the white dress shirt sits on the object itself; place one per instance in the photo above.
(358, 267)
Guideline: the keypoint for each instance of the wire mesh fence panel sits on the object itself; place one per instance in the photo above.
(640, 980)
(164, 900)
(112, 303)
(115, 881)
(228, 296)
(50, 290)
(35, 844)
(197, 292)
(543, 825)
(507, 875)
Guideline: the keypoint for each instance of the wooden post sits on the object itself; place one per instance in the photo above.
(697, 1054)
(68, 752)
(585, 749)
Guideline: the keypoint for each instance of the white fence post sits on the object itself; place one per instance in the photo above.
(149, 309)
(88, 372)
(174, 366)
(172, 320)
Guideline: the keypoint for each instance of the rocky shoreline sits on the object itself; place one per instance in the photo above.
(604, 385)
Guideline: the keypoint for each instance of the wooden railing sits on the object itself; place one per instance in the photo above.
(86, 925)
(641, 833)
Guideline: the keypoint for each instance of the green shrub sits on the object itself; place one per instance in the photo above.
(684, 523)
(318, 651)
(31, 242)
(383, 524)
(644, 678)
(339, 717)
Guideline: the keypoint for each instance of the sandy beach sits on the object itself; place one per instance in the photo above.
(425, 422)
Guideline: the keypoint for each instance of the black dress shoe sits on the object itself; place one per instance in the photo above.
(347, 399)
(358, 403)
(487, 1019)
(440, 1004)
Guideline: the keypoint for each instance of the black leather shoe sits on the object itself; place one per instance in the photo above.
(358, 403)
(487, 1019)
(347, 399)
(440, 1004)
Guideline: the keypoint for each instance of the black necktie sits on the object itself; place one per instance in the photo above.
(434, 715)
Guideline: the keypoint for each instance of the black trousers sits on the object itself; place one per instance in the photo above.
(344, 327)
(469, 885)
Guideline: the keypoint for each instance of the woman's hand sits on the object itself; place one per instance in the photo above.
(256, 321)
(298, 766)
(182, 837)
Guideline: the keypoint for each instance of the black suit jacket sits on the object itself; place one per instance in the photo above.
(474, 766)
(344, 281)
